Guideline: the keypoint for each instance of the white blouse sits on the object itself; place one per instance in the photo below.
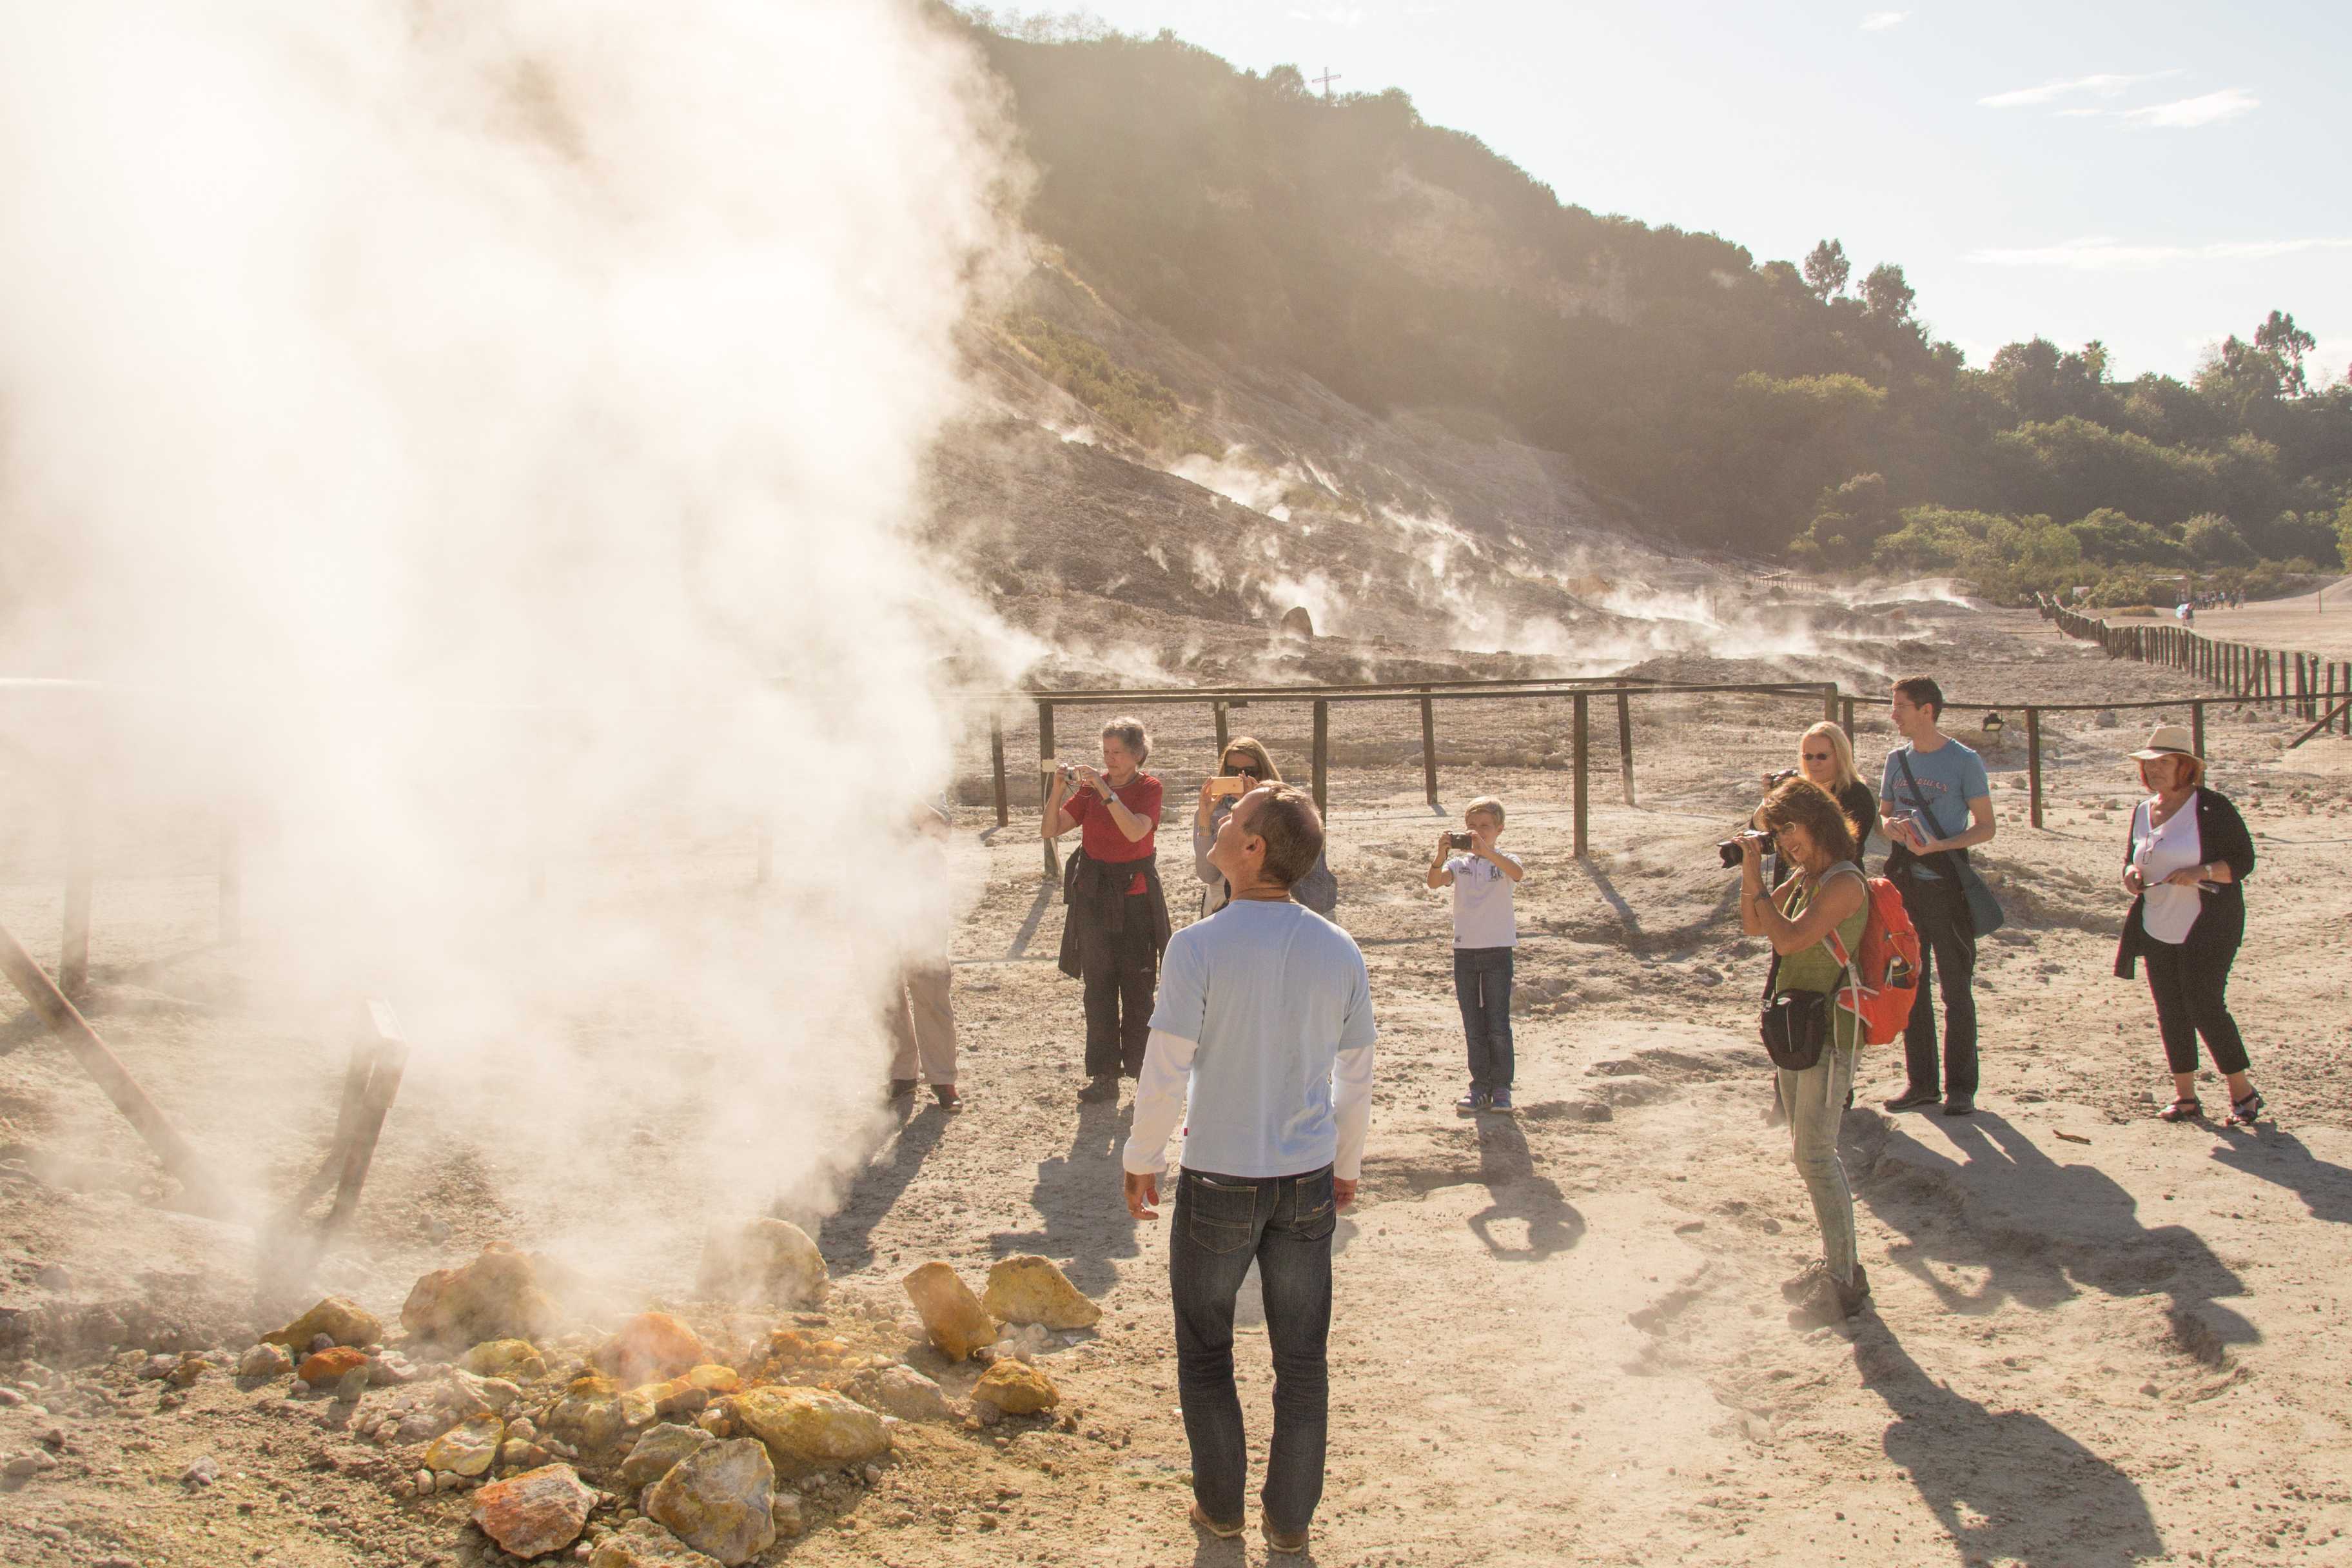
(2158, 850)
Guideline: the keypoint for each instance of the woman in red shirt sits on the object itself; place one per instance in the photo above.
(1117, 921)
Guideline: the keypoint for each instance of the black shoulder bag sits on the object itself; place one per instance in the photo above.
(1985, 912)
(1795, 1025)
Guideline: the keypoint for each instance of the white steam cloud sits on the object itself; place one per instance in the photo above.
(486, 426)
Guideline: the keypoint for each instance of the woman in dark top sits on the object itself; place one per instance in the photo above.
(2186, 853)
(1825, 756)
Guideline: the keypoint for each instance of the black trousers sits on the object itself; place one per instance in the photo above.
(1947, 953)
(2189, 987)
(1121, 971)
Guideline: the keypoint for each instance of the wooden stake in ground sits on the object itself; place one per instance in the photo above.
(204, 1194)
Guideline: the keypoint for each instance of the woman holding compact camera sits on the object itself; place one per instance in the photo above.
(1814, 921)
(1117, 926)
(1245, 766)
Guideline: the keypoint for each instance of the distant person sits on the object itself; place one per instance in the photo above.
(921, 1009)
(1265, 1017)
(1486, 938)
(2184, 859)
(1248, 762)
(1824, 894)
(1117, 921)
(1930, 786)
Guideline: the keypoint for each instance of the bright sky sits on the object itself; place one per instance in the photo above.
(2155, 173)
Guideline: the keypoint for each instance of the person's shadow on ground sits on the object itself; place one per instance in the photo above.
(2007, 1485)
(1516, 1191)
(2040, 1230)
(1079, 1195)
(2271, 1155)
(847, 1235)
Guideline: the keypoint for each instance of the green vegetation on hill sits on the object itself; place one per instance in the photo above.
(1756, 406)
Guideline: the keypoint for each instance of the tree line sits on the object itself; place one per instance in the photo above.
(1774, 407)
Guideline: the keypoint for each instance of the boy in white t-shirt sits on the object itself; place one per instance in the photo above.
(1485, 933)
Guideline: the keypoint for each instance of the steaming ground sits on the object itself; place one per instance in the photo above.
(2095, 1339)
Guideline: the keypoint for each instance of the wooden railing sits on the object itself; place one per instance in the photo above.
(2302, 684)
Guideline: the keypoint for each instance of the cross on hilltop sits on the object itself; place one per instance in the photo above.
(1325, 81)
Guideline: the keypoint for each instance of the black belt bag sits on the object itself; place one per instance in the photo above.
(1795, 1025)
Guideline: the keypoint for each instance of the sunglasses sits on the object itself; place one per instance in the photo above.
(1242, 770)
(1817, 756)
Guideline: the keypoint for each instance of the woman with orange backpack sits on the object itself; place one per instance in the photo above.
(1814, 921)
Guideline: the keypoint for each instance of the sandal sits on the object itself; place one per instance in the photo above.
(2187, 1109)
(2245, 1112)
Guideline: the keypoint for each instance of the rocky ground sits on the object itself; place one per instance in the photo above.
(2095, 1339)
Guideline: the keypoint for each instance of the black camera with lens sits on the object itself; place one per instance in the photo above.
(1775, 780)
(1458, 840)
(1729, 849)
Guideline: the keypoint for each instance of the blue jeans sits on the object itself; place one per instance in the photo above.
(1481, 983)
(1219, 1224)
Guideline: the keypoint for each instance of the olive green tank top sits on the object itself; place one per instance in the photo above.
(1815, 968)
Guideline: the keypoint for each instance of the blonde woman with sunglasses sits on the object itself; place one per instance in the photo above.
(1248, 763)
(1825, 756)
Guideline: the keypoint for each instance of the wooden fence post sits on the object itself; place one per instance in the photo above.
(1829, 702)
(1046, 780)
(1845, 719)
(231, 882)
(2197, 728)
(1322, 759)
(73, 953)
(2033, 765)
(1224, 734)
(1429, 748)
(996, 767)
(1584, 744)
(1626, 743)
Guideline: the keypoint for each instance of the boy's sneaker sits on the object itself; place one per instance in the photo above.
(1472, 1103)
(1500, 1100)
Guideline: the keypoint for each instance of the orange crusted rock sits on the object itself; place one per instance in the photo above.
(648, 1347)
(496, 1297)
(327, 1367)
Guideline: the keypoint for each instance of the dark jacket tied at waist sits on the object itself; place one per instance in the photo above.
(1096, 892)
(2222, 915)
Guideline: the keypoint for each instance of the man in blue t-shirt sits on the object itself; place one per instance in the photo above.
(1265, 1017)
(1936, 802)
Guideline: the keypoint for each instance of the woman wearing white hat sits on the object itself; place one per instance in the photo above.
(2187, 854)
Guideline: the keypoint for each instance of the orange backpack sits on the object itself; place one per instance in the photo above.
(1884, 982)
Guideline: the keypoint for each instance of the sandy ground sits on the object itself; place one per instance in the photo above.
(2095, 1339)
(2318, 623)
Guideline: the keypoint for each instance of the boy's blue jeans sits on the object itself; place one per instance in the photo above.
(1481, 983)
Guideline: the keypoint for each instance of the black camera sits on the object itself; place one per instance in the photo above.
(1783, 776)
(1729, 849)
(1458, 840)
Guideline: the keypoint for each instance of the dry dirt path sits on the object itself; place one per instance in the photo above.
(2095, 1339)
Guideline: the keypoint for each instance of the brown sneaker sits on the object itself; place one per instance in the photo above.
(1222, 1531)
(1275, 1540)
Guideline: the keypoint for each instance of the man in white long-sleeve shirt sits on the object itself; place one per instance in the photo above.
(1265, 1014)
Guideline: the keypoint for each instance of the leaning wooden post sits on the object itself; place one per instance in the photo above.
(1584, 744)
(179, 1158)
(231, 882)
(1626, 742)
(385, 1054)
(1322, 759)
(996, 766)
(73, 952)
(2033, 765)
(1046, 780)
(1428, 748)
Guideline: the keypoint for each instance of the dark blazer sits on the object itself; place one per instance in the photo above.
(2222, 922)
(1861, 808)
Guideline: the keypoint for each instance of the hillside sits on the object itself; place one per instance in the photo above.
(1334, 309)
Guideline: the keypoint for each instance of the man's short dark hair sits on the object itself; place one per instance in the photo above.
(1924, 693)
(1285, 820)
